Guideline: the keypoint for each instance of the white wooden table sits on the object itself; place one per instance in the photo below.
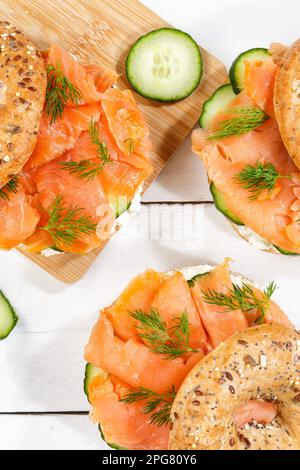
(42, 405)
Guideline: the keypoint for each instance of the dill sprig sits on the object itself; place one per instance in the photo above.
(66, 224)
(158, 405)
(59, 92)
(172, 342)
(89, 169)
(241, 298)
(245, 120)
(258, 178)
(11, 187)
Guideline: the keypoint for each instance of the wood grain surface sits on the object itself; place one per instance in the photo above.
(102, 31)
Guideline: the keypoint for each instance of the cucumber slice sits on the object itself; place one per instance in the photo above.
(164, 65)
(90, 373)
(8, 317)
(120, 204)
(112, 445)
(285, 252)
(220, 204)
(218, 102)
(194, 279)
(237, 70)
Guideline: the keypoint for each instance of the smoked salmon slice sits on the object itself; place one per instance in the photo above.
(103, 77)
(18, 218)
(75, 72)
(259, 411)
(52, 180)
(219, 323)
(132, 361)
(259, 83)
(128, 126)
(172, 299)
(56, 138)
(124, 425)
(138, 295)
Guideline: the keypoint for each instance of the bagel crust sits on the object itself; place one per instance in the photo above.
(262, 362)
(22, 93)
(287, 100)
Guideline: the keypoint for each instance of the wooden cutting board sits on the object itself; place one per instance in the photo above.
(102, 31)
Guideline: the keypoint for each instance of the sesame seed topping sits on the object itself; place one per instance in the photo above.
(263, 360)
(28, 52)
(6, 158)
(30, 67)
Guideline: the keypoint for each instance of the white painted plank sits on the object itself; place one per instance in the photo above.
(183, 179)
(41, 362)
(49, 432)
(225, 28)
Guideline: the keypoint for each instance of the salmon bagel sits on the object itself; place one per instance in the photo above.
(248, 142)
(287, 100)
(258, 368)
(128, 352)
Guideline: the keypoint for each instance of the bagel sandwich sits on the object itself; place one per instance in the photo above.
(75, 150)
(145, 344)
(248, 141)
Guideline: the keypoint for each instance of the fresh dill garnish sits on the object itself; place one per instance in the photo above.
(59, 92)
(67, 224)
(172, 342)
(259, 178)
(89, 168)
(241, 298)
(11, 187)
(158, 405)
(244, 120)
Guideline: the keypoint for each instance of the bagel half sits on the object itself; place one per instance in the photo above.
(23, 83)
(261, 362)
(287, 100)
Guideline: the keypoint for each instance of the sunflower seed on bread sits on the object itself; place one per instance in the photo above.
(23, 82)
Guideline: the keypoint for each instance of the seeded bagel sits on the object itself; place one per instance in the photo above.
(22, 93)
(287, 100)
(262, 362)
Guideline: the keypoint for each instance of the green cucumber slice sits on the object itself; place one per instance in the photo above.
(194, 279)
(285, 252)
(220, 204)
(8, 317)
(112, 445)
(120, 204)
(237, 70)
(218, 102)
(164, 65)
(90, 373)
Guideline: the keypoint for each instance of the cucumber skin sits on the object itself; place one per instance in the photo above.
(15, 317)
(194, 279)
(232, 72)
(215, 194)
(88, 371)
(285, 252)
(158, 98)
(212, 97)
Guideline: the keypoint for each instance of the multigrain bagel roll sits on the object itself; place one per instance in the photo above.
(22, 92)
(243, 395)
